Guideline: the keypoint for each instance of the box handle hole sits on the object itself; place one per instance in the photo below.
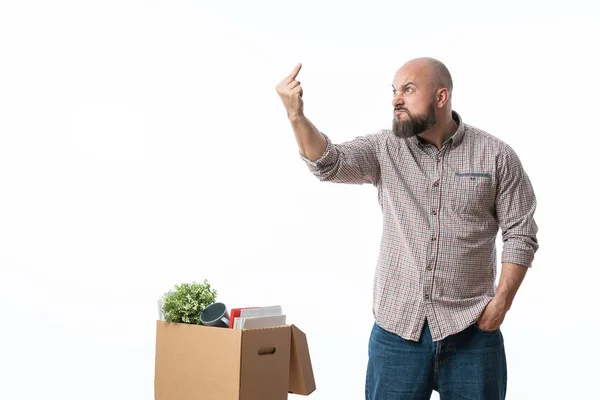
(266, 351)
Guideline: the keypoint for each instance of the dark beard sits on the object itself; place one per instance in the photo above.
(414, 125)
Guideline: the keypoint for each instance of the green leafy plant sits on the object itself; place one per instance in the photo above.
(185, 303)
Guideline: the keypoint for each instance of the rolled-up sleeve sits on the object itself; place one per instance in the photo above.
(354, 162)
(515, 207)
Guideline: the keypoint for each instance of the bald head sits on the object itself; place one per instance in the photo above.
(430, 70)
(443, 79)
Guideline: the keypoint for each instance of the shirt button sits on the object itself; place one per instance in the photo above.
(436, 184)
(429, 268)
(426, 296)
(433, 212)
(433, 239)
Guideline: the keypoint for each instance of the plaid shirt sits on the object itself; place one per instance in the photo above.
(441, 214)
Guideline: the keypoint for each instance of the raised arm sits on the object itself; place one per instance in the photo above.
(311, 142)
(351, 162)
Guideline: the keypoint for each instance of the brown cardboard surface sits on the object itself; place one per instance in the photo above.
(196, 362)
(302, 380)
(265, 363)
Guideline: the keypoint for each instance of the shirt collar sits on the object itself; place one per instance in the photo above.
(460, 131)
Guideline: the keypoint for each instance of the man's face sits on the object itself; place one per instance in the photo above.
(413, 102)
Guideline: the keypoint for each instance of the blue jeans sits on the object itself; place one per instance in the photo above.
(470, 365)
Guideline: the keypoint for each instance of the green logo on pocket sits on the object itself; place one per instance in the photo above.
(483, 174)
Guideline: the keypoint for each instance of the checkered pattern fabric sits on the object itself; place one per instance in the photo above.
(442, 210)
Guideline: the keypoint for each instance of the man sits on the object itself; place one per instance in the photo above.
(445, 188)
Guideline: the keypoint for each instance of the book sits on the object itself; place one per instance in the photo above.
(259, 317)
(235, 313)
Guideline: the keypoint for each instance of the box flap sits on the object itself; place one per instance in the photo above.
(265, 359)
(302, 380)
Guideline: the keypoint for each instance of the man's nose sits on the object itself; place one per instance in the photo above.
(398, 100)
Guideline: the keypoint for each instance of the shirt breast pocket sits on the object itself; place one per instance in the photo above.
(471, 193)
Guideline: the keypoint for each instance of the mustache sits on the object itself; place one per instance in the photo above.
(398, 108)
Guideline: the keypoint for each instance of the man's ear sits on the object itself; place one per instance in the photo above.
(442, 97)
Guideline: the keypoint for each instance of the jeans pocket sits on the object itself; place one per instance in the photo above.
(494, 331)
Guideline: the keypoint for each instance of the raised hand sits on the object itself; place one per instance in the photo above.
(290, 92)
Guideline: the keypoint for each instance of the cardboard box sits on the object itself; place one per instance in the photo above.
(195, 362)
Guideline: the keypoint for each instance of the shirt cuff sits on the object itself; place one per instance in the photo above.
(327, 158)
(518, 253)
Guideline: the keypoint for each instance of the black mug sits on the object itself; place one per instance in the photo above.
(215, 315)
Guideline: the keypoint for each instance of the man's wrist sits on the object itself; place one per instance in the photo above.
(502, 301)
(295, 117)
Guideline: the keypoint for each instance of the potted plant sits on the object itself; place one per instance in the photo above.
(186, 301)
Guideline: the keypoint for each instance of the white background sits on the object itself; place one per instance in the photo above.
(142, 144)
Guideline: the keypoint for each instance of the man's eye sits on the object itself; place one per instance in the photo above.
(409, 90)
(395, 92)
